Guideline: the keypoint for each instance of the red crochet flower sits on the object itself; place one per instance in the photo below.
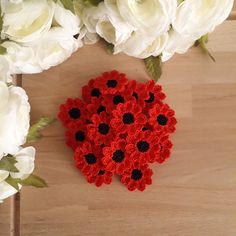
(128, 117)
(111, 82)
(137, 177)
(139, 92)
(162, 118)
(71, 111)
(143, 146)
(115, 157)
(111, 101)
(76, 134)
(96, 106)
(100, 130)
(103, 177)
(155, 94)
(90, 91)
(88, 158)
(165, 149)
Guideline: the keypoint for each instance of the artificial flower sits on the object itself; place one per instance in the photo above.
(143, 146)
(162, 118)
(116, 159)
(100, 129)
(128, 117)
(102, 177)
(71, 111)
(137, 177)
(88, 158)
(27, 21)
(14, 118)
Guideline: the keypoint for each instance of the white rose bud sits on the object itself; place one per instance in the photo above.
(6, 191)
(176, 44)
(55, 47)
(152, 17)
(28, 20)
(147, 46)
(14, 118)
(66, 19)
(22, 59)
(197, 18)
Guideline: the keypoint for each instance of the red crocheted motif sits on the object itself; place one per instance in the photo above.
(119, 127)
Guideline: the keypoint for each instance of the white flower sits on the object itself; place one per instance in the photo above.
(25, 158)
(14, 118)
(55, 47)
(152, 17)
(147, 46)
(176, 44)
(28, 20)
(4, 69)
(22, 59)
(66, 19)
(6, 190)
(25, 163)
(197, 18)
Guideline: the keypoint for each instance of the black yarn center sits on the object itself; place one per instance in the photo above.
(162, 120)
(74, 113)
(80, 136)
(101, 109)
(101, 172)
(118, 156)
(128, 118)
(151, 98)
(103, 128)
(136, 174)
(135, 95)
(111, 83)
(95, 93)
(143, 146)
(118, 99)
(90, 158)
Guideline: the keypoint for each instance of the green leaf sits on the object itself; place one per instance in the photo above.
(110, 48)
(7, 163)
(34, 131)
(202, 44)
(68, 4)
(35, 181)
(13, 182)
(32, 180)
(154, 67)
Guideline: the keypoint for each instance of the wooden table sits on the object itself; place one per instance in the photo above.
(193, 194)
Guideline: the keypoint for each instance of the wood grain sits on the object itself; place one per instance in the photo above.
(194, 193)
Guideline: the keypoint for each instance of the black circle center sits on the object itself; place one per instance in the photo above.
(135, 95)
(101, 109)
(136, 174)
(162, 120)
(101, 172)
(118, 156)
(143, 146)
(95, 92)
(128, 118)
(74, 113)
(90, 158)
(111, 83)
(80, 136)
(118, 99)
(103, 128)
(151, 98)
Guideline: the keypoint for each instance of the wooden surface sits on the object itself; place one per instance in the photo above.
(193, 194)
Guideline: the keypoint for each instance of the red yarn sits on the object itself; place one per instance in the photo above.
(119, 127)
